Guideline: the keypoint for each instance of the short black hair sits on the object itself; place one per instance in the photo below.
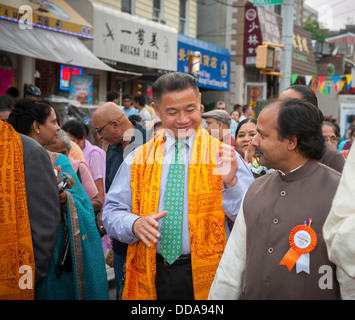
(245, 108)
(112, 95)
(12, 91)
(306, 92)
(308, 95)
(301, 119)
(140, 99)
(75, 128)
(173, 82)
(126, 96)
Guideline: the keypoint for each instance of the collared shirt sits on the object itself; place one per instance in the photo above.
(117, 215)
(115, 155)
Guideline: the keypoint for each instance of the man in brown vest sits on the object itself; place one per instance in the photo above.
(276, 249)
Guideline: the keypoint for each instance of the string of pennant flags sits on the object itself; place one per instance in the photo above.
(322, 82)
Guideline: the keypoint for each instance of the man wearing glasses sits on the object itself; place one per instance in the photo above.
(123, 136)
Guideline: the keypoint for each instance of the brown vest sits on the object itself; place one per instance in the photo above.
(273, 206)
(332, 158)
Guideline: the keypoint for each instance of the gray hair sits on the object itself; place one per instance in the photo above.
(63, 137)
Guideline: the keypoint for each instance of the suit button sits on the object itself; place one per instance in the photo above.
(270, 250)
(283, 193)
(275, 221)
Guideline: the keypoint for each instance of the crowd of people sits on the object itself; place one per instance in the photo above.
(191, 204)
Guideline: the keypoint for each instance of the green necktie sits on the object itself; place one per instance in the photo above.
(171, 234)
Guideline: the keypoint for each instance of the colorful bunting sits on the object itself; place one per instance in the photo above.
(329, 87)
(293, 78)
(348, 78)
(308, 80)
(335, 79)
(325, 87)
(342, 84)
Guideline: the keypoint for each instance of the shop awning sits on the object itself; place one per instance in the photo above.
(51, 46)
(54, 15)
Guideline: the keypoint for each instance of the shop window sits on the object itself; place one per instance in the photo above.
(277, 9)
(127, 6)
(157, 10)
(183, 17)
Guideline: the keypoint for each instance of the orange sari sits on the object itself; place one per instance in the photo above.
(17, 266)
(205, 215)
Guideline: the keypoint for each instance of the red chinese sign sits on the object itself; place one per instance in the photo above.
(259, 25)
(252, 35)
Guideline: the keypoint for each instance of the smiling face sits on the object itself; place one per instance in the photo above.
(274, 151)
(245, 135)
(179, 112)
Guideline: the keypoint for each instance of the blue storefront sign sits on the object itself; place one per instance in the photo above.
(214, 62)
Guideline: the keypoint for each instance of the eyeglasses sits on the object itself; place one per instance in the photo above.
(103, 127)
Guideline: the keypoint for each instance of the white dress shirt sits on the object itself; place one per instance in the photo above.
(117, 215)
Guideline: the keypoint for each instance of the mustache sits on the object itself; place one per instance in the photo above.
(258, 151)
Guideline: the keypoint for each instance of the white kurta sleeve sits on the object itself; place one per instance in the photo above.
(229, 281)
(339, 227)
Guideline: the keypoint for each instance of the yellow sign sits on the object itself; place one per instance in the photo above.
(300, 43)
(55, 15)
(205, 60)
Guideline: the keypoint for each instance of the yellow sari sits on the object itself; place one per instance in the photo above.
(205, 215)
(17, 266)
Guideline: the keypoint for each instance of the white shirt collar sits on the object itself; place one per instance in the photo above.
(170, 141)
(283, 174)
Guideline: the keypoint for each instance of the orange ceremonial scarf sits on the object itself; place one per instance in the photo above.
(205, 215)
(17, 267)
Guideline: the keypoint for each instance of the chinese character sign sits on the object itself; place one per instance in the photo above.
(129, 39)
(252, 35)
(214, 62)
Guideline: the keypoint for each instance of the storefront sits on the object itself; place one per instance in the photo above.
(214, 65)
(128, 42)
(40, 38)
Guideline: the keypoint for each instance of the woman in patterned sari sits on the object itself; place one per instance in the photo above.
(78, 268)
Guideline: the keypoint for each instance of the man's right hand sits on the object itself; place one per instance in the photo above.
(145, 228)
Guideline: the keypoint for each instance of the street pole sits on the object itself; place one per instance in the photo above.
(287, 37)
